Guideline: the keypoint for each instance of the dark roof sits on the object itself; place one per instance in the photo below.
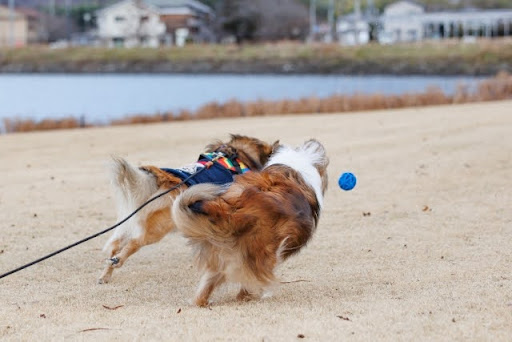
(29, 12)
(197, 5)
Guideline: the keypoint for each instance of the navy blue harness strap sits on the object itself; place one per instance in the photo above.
(216, 174)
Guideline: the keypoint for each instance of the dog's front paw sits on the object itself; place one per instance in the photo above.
(202, 303)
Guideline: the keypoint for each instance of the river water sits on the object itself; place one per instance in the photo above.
(100, 98)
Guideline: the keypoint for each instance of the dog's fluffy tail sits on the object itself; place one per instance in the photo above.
(203, 216)
(132, 185)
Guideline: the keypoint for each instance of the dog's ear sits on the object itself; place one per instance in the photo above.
(316, 151)
(268, 150)
(234, 137)
(275, 145)
(213, 146)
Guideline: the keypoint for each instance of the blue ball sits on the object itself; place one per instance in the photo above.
(347, 181)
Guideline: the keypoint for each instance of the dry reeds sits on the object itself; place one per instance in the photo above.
(28, 125)
(496, 88)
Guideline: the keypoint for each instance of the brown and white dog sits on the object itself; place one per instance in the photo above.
(241, 232)
(134, 186)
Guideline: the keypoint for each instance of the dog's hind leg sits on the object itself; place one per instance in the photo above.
(132, 187)
(117, 258)
(107, 271)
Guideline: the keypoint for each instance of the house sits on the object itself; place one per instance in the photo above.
(185, 20)
(13, 28)
(130, 23)
(37, 31)
(402, 21)
(353, 30)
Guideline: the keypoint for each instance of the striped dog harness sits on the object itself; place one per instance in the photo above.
(236, 165)
(221, 172)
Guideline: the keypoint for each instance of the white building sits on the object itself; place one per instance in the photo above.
(401, 22)
(130, 23)
(188, 20)
(407, 21)
(468, 23)
(353, 30)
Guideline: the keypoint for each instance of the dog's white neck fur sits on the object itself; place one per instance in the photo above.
(302, 161)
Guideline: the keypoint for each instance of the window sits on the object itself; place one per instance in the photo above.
(118, 42)
(412, 35)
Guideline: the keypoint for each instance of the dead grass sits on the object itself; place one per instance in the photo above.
(27, 125)
(493, 89)
(484, 50)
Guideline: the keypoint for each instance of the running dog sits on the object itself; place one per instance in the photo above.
(241, 232)
(134, 186)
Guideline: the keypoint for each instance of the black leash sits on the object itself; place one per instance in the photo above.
(106, 230)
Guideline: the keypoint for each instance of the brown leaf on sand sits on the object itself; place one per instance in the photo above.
(300, 336)
(426, 208)
(179, 310)
(93, 329)
(112, 307)
(343, 318)
(295, 281)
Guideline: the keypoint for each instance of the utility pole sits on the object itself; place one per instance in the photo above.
(357, 8)
(12, 18)
(370, 8)
(330, 20)
(52, 7)
(312, 19)
(68, 19)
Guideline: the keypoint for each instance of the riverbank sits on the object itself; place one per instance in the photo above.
(483, 57)
(497, 88)
(420, 249)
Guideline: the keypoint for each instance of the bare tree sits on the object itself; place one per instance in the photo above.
(281, 19)
(262, 19)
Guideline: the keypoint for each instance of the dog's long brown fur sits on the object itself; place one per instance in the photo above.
(242, 232)
(134, 186)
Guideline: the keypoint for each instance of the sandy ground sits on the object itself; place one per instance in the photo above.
(419, 250)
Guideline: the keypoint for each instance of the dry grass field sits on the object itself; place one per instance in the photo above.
(421, 249)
